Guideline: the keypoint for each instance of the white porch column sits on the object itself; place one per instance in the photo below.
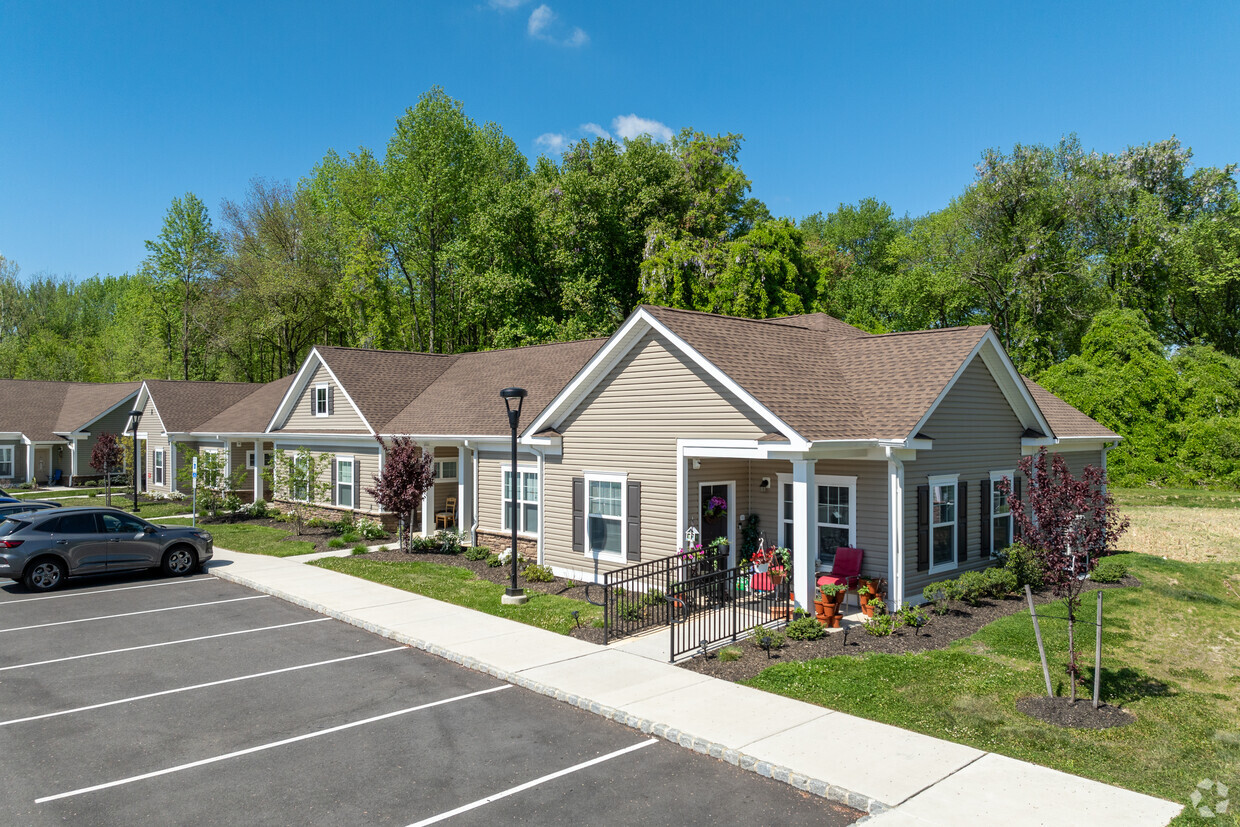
(895, 531)
(428, 501)
(29, 462)
(73, 460)
(258, 470)
(171, 479)
(804, 535)
(464, 489)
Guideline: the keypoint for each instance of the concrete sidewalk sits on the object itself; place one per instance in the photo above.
(903, 779)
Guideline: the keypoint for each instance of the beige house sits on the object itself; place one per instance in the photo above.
(50, 428)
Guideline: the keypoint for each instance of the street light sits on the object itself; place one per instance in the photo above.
(134, 416)
(514, 595)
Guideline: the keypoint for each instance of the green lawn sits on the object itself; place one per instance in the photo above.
(149, 511)
(1171, 656)
(44, 494)
(251, 539)
(453, 584)
(1183, 497)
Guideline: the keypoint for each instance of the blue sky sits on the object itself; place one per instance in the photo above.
(109, 110)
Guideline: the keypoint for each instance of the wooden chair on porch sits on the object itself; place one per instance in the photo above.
(845, 568)
(447, 517)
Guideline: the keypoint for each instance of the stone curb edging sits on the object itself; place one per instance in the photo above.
(736, 758)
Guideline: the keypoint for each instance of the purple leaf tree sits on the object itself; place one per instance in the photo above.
(1070, 523)
(105, 457)
(408, 473)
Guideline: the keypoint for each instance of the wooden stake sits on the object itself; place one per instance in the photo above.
(1098, 652)
(1037, 631)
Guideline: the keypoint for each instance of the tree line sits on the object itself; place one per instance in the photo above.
(452, 240)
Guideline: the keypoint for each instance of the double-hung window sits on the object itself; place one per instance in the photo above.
(445, 469)
(345, 481)
(157, 466)
(942, 523)
(249, 459)
(605, 514)
(299, 488)
(527, 498)
(321, 392)
(6, 461)
(1000, 513)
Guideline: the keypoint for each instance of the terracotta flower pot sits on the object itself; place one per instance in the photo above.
(832, 622)
(868, 609)
(829, 610)
(777, 577)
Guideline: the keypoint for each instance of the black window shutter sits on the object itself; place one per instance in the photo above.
(314, 393)
(579, 514)
(984, 484)
(331, 400)
(633, 551)
(923, 528)
(1016, 523)
(962, 521)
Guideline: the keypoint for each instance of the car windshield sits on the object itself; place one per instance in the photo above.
(7, 527)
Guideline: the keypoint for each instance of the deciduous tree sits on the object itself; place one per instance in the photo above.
(408, 473)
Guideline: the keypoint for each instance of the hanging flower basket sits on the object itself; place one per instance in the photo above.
(716, 507)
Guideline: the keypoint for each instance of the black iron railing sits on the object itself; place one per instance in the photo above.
(635, 598)
(718, 606)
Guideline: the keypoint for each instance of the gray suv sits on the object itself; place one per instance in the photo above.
(42, 548)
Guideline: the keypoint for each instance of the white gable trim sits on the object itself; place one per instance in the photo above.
(1004, 373)
(144, 394)
(298, 387)
(620, 343)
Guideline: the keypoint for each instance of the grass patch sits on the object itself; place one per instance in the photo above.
(453, 584)
(1187, 534)
(150, 511)
(252, 539)
(1168, 656)
(45, 494)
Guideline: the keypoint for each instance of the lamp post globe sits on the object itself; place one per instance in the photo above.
(513, 399)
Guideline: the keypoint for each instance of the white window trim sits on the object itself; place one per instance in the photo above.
(522, 468)
(299, 456)
(327, 396)
(607, 476)
(158, 465)
(995, 477)
(439, 469)
(12, 461)
(838, 482)
(945, 480)
(268, 458)
(352, 485)
(227, 459)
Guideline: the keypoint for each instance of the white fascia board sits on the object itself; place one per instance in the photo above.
(1007, 368)
(99, 416)
(320, 438)
(13, 435)
(617, 346)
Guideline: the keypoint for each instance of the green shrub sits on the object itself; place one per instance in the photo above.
(1025, 565)
(336, 542)
(912, 616)
(538, 574)
(1109, 570)
(939, 594)
(359, 549)
(350, 537)
(1000, 581)
(805, 628)
(972, 587)
(93, 494)
(774, 639)
(258, 508)
(477, 553)
(493, 561)
(369, 529)
(730, 653)
(319, 522)
(654, 597)
(629, 611)
(881, 625)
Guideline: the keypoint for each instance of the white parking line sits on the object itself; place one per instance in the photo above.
(200, 686)
(272, 745)
(530, 784)
(180, 582)
(133, 614)
(165, 643)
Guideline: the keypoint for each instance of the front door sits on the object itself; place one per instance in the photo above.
(43, 465)
(715, 512)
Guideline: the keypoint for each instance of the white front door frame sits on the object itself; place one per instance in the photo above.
(730, 518)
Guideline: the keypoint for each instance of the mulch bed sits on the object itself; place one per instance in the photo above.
(1080, 715)
(961, 621)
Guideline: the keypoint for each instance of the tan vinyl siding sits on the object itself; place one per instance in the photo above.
(1077, 460)
(974, 432)
(343, 417)
(153, 426)
(113, 423)
(445, 488)
(491, 488)
(19, 461)
(366, 468)
(630, 423)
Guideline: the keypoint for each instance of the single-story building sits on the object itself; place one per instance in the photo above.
(48, 427)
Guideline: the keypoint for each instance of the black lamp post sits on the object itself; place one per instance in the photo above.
(134, 416)
(513, 594)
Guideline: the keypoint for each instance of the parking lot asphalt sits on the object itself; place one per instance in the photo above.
(134, 700)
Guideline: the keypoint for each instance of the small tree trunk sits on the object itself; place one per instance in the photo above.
(1072, 665)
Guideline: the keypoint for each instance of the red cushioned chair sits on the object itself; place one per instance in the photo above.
(845, 569)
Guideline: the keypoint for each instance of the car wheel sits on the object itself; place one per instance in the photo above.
(44, 574)
(179, 561)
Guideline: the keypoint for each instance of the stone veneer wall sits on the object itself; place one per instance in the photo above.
(498, 542)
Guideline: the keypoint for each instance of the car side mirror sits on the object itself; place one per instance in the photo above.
(150, 530)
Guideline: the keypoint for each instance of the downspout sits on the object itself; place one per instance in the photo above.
(895, 527)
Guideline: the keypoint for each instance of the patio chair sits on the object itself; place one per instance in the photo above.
(447, 517)
(845, 569)
(56, 477)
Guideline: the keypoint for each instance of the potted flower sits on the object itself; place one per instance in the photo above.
(781, 560)
(761, 560)
(828, 606)
(875, 606)
(715, 508)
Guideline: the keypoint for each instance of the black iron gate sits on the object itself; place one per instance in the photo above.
(636, 598)
(716, 606)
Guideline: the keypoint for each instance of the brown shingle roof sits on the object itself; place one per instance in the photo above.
(821, 322)
(183, 406)
(250, 414)
(464, 399)
(823, 380)
(381, 382)
(40, 409)
(1065, 420)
